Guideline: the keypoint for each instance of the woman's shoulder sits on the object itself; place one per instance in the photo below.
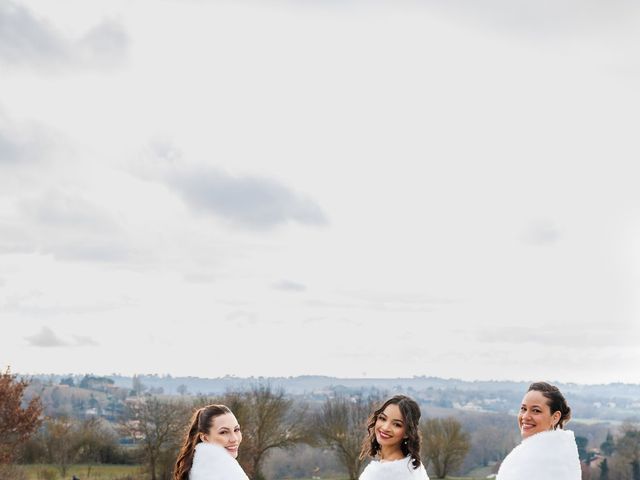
(551, 454)
(402, 468)
(552, 443)
(212, 462)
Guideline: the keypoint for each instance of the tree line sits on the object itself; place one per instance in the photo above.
(150, 428)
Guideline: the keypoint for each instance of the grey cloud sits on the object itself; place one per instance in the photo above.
(242, 317)
(289, 286)
(105, 44)
(249, 201)
(577, 336)
(543, 18)
(26, 40)
(48, 338)
(377, 306)
(33, 304)
(14, 239)
(95, 250)
(83, 341)
(23, 143)
(541, 233)
(45, 338)
(66, 226)
(198, 277)
(9, 150)
(72, 228)
(384, 301)
(57, 208)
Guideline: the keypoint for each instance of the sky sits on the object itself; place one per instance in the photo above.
(295, 187)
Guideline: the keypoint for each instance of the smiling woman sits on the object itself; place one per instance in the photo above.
(547, 450)
(211, 446)
(393, 441)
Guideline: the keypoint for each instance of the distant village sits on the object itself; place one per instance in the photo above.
(105, 395)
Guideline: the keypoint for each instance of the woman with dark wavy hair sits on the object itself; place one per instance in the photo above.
(393, 442)
(547, 451)
(210, 447)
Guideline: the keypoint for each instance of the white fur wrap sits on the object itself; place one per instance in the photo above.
(213, 462)
(394, 470)
(551, 455)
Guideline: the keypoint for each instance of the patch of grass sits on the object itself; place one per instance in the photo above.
(465, 478)
(481, 472)
(85, 472)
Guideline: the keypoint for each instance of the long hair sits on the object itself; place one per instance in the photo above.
(555, 400)
(201, 422)
(411, 415)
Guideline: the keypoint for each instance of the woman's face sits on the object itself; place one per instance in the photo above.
(225, 432)
(535, 415)
(390, 429)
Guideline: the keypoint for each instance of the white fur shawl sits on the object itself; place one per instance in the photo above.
(393, 470)
(212, 462)
(551, 455)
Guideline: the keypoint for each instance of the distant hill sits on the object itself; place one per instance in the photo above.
(616, 401)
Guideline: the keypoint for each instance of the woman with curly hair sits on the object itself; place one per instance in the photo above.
(393, 442)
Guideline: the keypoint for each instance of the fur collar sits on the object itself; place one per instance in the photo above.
(551, 455)
(212, 462)
(395, 470)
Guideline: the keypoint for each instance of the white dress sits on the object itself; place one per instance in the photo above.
(394, 470)
(551, 455)
(213, 462)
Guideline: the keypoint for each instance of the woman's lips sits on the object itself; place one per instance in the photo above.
(384, 435)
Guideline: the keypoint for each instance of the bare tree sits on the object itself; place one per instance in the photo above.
(445, 445)
(182, 389)
(97, 441)
(59, 439)
(157, 427)
(268, 420)
(137, 386)
(17, 423)
(341, 426)
(628, 448)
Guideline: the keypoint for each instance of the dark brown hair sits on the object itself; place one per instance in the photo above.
(555, 400)
(201, 422)
(411, 415)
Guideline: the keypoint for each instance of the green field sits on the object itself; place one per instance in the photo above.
(117, 472)
(86, 472)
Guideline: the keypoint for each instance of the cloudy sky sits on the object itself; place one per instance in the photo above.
(350, 188)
